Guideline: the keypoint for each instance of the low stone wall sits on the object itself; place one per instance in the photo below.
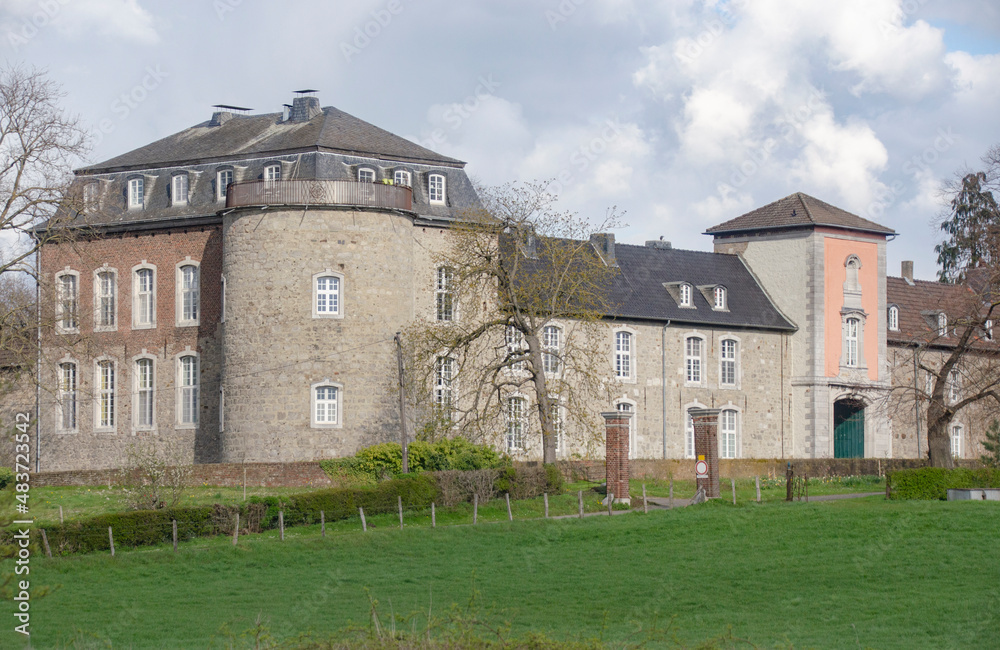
(302, 474)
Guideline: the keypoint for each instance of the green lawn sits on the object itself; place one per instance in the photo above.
(856, 573)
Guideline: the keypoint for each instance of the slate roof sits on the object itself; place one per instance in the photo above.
(641, 293)
(797, 211)
(245, 135)
(919, 305)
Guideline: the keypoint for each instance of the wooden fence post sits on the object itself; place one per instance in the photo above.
(111, 538)
(433, 516)
(733, 481)
(510, 516)
(645, 506)
(611, 500)
(579, 499)
(236, 529)
(805, 487)
(175, 535)
(475, 508)
(399, 498)
(364, 526)
(61, 515)
(45, 540)
(546, 495)
(789, 475)
(244, 482)
(281, 523)
(758, 489)
(888, 486)
(322, 523)
(671, 503)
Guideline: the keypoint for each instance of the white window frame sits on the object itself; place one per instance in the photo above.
(956, 433)
(688, 450)
(69, 395)
(222, 185)
(138, 324)
(272, 172)
(402, 177)
(686, 294)
(734, 361)
(91, 195)
(892, 320)
(852, 341)
(515, 424)
(188, 392)
(138, 390)
(719, 298)
(444, 385)
(988, 330)
(136, 189)
(222, 299)
(364, 173)
(444, 295)
(185, 319)
(556, 412)
(100, 297)
(942, 324)
(729, 434)
(105, 397)
(179, 189)
(338, 405)
(552, 349)
(436, 189)
(626, 405)
(514, 344)
(954, 386)
(67, 306)
(623, 360)
(694, 364)
(337, 294)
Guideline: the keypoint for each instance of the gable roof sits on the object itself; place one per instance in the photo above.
(919, 303)
(257, 135)
(798, 211)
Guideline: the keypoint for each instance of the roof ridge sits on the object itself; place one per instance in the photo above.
(802, 201)
(682, 250)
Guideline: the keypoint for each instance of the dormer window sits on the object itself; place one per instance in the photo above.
(435, 189)
(272, 173)
(179, 190)
(942, 323)
(719, 294)
(988, 330)
(366, 175)
(90, 194)
(135, 194)
(223, 178)
(685, 295)
(894, 318)
(401, 177)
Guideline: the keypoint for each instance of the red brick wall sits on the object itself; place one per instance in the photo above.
(616, 453)
(706, 444)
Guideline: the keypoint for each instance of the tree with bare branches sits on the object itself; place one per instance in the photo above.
(521, 294)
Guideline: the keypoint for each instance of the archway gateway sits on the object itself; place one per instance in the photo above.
(848, 429)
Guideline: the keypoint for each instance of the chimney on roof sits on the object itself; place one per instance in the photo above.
(220, 117)
(659, 243)
(907, 271)
(304, 107)
(604, 242)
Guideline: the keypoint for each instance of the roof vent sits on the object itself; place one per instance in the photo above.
(304, 107)
(225, 113)
(659, 243)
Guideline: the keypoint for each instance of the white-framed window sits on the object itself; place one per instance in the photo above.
(144, 296)
(144, 382)
(187, 389)
(327, 295)
(556, 414)
(685, 290)
(514, 340)
(272, 172)
(719, 296)
(366, 175)
(628, 406)
(954, 386)
(689, 436)
(223, 178)
(436, 189)
(105, 299)
(222, 299)
(893, 318)
(136, 193)
(728, 420)
(188, 293)
(104, 383)
(957, 431)
(401, 177)
(551, 349)
(91, 194)
(729, 352)
(179, 189)
(326, 405)
(851, 327)
(514, 415)
(693, 347)
(68, 397)
(444, 373)
(444, 297)
(942, 323)
(623, 355)
(68, 302)
(988, 330)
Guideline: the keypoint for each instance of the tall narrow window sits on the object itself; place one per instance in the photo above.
(222, 299)
(728, 351)
(550, 343)
(685, 295)
(144, 309)
(327, 290)
(326, 405)
(105, 395)
(623, 355)
(719, 293)
(444, 371)
(626, 407)
(435, 189)
(272, 173)
(187, 386)
(136, 196)
(401, 177)
(143, 408)
(515, 348)
(692, 359)
(179, 190)
(727, 434)
(366, 175)
(988, 330)
(894, 318)
(689, 437)
(91, 191)
(956, 440)
(555, 413)
(851, 341)
(514, 419)
(942, 322)
(67, 396)
(68, 311)
(223, 178)
(107, 291)
(954, 386)
(443, 294)
(188, 300)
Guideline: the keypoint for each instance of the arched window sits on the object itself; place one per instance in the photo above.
(67, 396)
(727, 434)
(719, 294)
(179, 189)
(514, 414)
(942, 323)
(894, 318)
(853, 263)
(105, 299)
(443, 294)
(223, 179)
(555, 412)
(629, 407)
(142, 412)
(105, 389)
(136, 193)
(401, 177)
(444, 372)
(327, 288)
(685, 295)
(623, 355)
(366, 175)
(957, 431)
(689, 436)
(187, 390)
(436, 189)
(728, 362)
(144, 297)
(514, 340)
(551, 345)
(188, 294)
(68, 301)
(692, 359)
(954, 386)
(851, 341)
(326, 406)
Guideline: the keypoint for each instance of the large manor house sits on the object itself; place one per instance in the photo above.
(233, 291)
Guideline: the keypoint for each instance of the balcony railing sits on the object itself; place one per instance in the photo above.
(319, 192)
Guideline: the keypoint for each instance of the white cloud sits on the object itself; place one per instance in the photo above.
(119, 19)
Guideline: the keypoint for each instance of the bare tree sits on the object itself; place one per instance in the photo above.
(520, 295)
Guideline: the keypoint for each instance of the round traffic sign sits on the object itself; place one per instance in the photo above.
(701, 469)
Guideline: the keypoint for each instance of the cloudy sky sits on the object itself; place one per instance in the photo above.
(681, 113)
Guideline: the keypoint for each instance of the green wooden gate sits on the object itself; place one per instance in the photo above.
(848, 430)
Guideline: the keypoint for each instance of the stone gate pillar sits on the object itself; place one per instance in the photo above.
(706, 447)
(616, 425)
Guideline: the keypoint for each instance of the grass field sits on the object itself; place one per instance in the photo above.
(857, 573)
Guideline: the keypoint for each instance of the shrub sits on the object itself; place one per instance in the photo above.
(934, 482)
(151, 477)
(6, 477)
(553, 479)
(385, 460)
(992, 446)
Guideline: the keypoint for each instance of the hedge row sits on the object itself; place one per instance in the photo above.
(934, 482)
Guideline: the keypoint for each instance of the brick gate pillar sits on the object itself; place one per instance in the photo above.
(706, 447)
(616, 425)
